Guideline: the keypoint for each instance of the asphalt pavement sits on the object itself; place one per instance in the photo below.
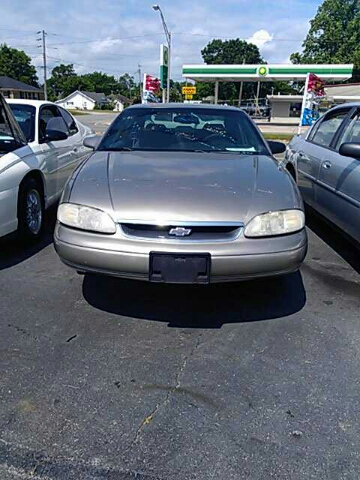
(98, 121)
(103, 378)
(106, 378)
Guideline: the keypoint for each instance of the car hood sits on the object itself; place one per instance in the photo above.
(165, 187)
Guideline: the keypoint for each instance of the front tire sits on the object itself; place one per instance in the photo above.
(30, 210)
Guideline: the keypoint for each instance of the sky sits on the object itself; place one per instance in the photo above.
(116, 36)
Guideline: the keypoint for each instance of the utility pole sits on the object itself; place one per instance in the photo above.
(43, 40)
(167, 32)
(241, 88)
(139, 72)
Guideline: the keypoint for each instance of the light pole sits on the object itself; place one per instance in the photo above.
(157, 8)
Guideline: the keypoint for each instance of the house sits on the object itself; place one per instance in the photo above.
(79, 100)
(343, 93)
(119, 102)
(285, 106)
(11, 88)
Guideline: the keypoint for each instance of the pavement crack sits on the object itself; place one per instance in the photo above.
(149, 418)
(71, 338)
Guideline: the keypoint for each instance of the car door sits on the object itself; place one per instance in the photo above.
(310, 157)
(57, 154)
(339, 180)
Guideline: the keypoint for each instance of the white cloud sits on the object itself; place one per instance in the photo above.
(261, 38)
(114, 26)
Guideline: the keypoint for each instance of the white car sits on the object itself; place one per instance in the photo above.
(40, 146)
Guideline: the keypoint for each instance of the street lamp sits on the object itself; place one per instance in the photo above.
(157, 8)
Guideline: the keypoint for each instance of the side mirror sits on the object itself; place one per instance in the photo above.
(276, 147)
(350, 150)
(92, 141)
(55, 135)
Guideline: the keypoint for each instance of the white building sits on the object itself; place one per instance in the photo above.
(120, 102)
(83, 101)
(348, 92)
(285, 106)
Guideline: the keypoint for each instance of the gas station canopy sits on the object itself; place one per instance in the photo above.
(269, 73)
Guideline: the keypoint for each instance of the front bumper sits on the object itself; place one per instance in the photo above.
(231, 261)
(8, 211)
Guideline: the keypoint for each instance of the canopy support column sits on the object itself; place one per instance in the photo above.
(216, 92)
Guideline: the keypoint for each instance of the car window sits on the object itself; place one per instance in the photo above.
(184, 129)
(25, 116)
(328, 127)
(70, 122)
(48, 113)
(7, 140)
(352, 132)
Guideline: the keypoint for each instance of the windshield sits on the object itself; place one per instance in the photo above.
(25, 116)
(184, 129)
(7, 139)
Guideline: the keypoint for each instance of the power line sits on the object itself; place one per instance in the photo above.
(107, 39)
(43, 44)
(227, 37)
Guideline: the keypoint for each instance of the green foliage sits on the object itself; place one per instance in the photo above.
(16, 64)
(64, 81)
(334, 35)
(127, 85)
(228, 52)
(231, 52)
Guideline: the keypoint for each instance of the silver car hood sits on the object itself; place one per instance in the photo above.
(165, 187)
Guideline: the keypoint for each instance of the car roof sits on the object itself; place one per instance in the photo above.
(34, 103)
(342, 105)
(182, 106)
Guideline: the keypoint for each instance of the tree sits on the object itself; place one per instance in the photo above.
(231, 52)
(16, 64)
(334, 35)
(62, 81)
(101, 83)
(234, 51)
(127, 85)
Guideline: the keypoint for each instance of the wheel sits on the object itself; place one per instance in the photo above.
(30, 210)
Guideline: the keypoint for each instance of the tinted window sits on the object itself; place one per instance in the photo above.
(184, 129)
(47, 114)
(7, 139)
(70, 121)
(351, 132)
(25, 116)
(328, 127)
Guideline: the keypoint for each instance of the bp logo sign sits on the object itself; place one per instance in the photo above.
(262, 71)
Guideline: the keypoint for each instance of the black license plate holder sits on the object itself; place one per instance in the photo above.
(180, 267)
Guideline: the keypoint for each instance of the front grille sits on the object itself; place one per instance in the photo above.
(198, 233)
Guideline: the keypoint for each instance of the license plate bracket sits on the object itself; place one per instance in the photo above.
(180, 267)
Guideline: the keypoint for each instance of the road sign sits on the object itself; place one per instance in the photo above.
(189, 97)
(164, 65)
(188, 90)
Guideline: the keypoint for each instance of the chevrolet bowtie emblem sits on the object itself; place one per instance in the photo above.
(180, 232)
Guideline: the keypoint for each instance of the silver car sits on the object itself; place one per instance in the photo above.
(182, 194)
(326, 165)
(40, 146)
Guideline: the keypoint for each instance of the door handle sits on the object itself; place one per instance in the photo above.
(326, 165)
(304, 157)
(75, 150)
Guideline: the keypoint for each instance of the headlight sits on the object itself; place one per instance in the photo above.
(85, 218)
(275, 223)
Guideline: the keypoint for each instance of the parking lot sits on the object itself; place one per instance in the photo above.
(105, 378)
(115, 379)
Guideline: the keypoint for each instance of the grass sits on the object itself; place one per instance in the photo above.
(78, 112)
(281, 137)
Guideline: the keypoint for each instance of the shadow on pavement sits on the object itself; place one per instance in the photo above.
(334, 237)
(195, 306)
(13, 251)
